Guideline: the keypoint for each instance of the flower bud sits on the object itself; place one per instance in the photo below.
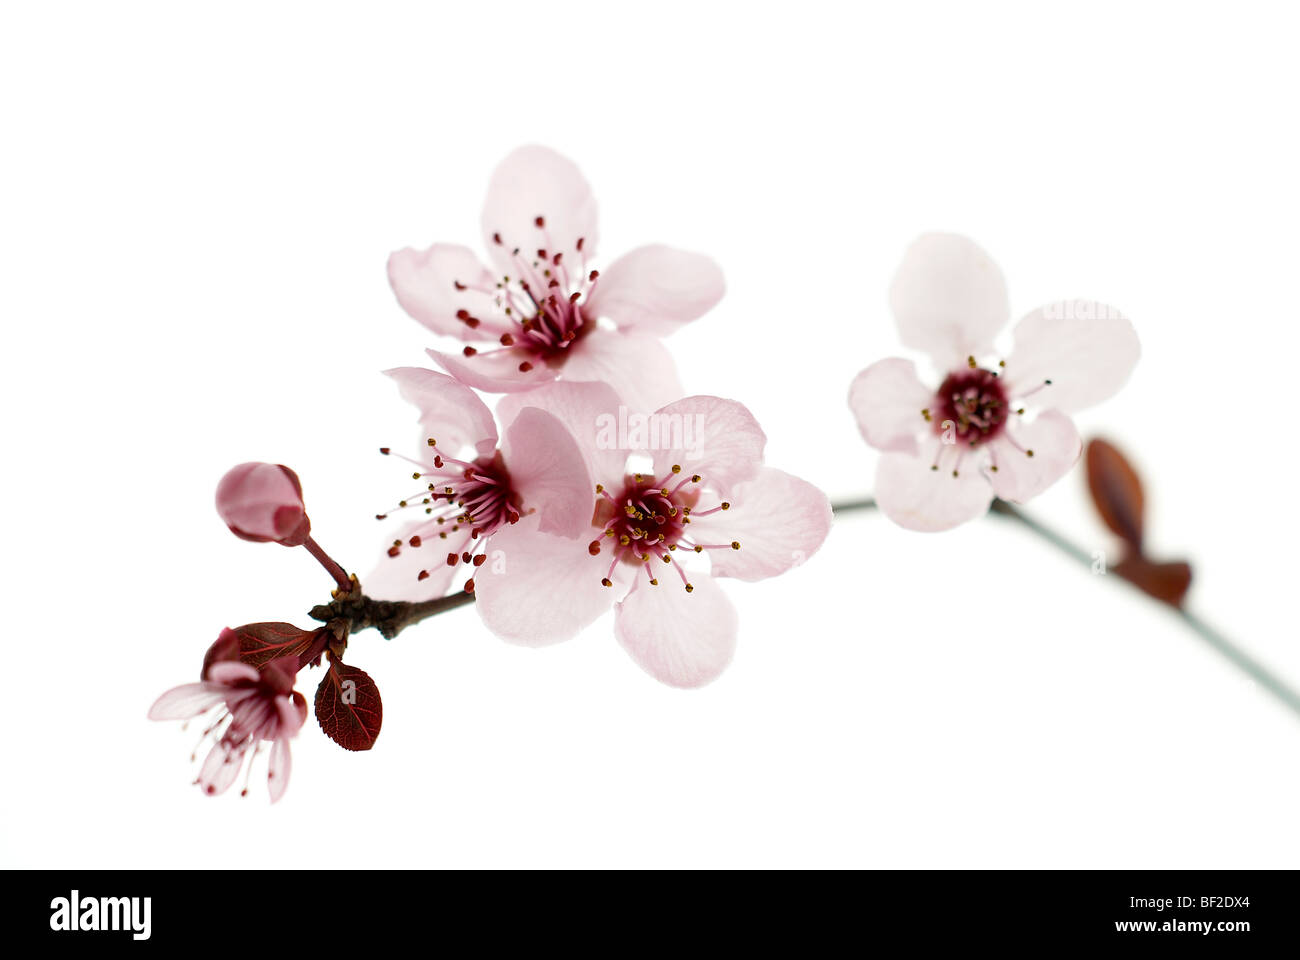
(263, 502)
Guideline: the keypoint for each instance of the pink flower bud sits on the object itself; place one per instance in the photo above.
(263, 502)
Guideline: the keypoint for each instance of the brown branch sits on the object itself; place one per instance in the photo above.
(389, 617)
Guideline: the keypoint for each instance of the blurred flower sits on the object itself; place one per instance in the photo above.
(252, 708)
(533, 312)
(472, 488)
(991, 428)
(263, 502)
(704, 492)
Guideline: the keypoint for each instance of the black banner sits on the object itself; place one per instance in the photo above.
(1223, 909)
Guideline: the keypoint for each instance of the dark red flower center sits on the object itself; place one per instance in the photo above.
(971, 405)
(464, 503)
(647, 520)
(540, 303)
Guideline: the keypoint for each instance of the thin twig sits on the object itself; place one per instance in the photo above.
(1217, 641)
(1261, 674)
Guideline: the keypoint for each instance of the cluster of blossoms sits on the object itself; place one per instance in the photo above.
(597, 484)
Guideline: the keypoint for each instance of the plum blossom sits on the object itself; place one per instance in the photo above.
(252, 708)
(530, 316)
(992, 428)
(703, 492)
(263, 502)
(475, 483)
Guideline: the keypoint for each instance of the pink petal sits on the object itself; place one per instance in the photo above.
(278, 769)
(718, 439)
(398, 577)
(188, 700)
(280, 675)
(537, 588)
(450, 412)
(679, 638)
(250, 716)
(638, 367)
(949, 299)
(425, 284)
(289, 719)
(887, 399)
(779, 521)
(537, 182)
(219, 769)
(230, 672)
(1086, 349)
(549, 472)
(656, 289)
(1056, 446)
(587, 410)
(496, 372)
(918, 498)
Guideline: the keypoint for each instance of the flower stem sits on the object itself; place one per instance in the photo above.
(340, 576)
(1217, 641)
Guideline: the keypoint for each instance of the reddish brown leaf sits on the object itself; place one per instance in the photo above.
(260, 643)
(1116, 490)
(348, 707)
(1167, 582)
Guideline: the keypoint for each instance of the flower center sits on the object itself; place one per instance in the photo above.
(648, 520)
(540, 303)
(971, 405)
(464, 503)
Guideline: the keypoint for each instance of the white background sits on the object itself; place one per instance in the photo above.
(197, 204)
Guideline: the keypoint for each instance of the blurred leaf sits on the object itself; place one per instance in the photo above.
(1167, 582)
(1116, 491)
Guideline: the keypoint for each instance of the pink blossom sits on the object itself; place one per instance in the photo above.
(991, 428)
(263, 502)
(252, 708)
(703, 493)
(474, 484)
(530, 316)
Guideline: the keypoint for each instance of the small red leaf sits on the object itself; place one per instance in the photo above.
(1116, 490)
(1167, 582)
(348, 707)
(260, 643)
